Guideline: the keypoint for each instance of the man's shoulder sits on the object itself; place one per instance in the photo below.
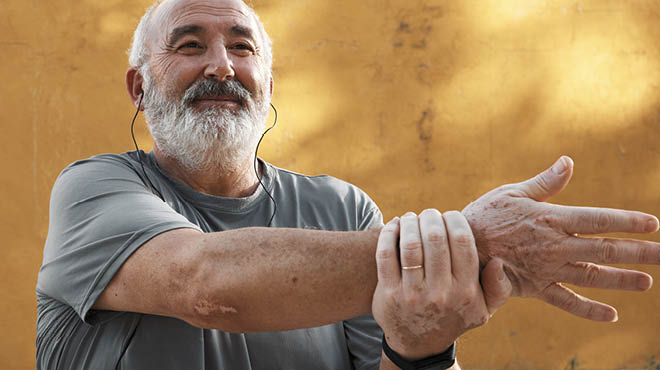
(316, 183)
(104, 160)
(99, 173)
(325, 201)
(100, 166)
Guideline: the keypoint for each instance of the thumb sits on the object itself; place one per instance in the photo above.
(495, 284)
(549, 182)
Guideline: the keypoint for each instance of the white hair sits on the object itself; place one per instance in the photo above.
(138, 54)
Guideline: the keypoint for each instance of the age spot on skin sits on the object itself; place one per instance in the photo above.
(294, 280)
(432, 309)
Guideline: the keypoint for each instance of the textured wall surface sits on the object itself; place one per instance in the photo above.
(424, 103)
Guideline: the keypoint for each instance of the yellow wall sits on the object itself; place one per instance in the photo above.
(421, 103)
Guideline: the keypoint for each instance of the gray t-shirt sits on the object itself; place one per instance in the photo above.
(103, 209)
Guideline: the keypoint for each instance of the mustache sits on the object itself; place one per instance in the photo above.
(210, 87)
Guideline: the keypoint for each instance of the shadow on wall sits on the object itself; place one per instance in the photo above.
(452, 99)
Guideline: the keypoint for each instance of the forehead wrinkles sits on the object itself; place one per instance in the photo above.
(215, 9)
(193, 11)
(174, 14)
(178, 13)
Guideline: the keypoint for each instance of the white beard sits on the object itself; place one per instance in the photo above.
(212, 138)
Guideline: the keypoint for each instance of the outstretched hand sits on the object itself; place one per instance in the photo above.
(541, 247)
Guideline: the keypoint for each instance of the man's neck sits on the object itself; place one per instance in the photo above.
(233, 183)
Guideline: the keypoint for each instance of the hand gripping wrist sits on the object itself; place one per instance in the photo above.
(440, 361)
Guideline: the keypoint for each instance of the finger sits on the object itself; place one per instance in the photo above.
(410, 245)
(590, 275)
(495, 284)
(549, 182)
(387, 260)
(589, 220)
(463, 250)
(571, 302)
(437, 266)
(611, 250)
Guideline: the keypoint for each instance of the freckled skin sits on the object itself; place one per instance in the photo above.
(530, 269)
(541, 247)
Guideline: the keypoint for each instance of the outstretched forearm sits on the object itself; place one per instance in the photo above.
(263, 279)
(251, 279)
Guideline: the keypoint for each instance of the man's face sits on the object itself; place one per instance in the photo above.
(207, 87)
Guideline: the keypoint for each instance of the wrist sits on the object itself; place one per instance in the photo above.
(436, 361)
(415, 353)
(479, 239)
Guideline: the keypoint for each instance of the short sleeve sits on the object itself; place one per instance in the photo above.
(100, 213)
(372, 219)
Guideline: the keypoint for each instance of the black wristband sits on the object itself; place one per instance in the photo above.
(441, 361)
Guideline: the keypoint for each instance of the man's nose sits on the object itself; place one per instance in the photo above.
(219, 66)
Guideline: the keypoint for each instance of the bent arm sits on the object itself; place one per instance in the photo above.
(252, 279)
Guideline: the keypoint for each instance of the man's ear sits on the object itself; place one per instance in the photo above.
(134, 82)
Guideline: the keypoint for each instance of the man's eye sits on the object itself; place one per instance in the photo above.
(242, 47)
(191, 45)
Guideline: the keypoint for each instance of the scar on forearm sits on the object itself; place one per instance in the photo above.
(206, 308)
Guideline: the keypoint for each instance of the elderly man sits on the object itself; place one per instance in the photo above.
(194, 257)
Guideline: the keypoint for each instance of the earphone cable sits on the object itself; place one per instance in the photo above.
(137, 150)
(256, 171)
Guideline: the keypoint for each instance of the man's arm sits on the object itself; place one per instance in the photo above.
(260, 279)
(252, 279)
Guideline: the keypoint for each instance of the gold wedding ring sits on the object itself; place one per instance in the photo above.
(411, 267)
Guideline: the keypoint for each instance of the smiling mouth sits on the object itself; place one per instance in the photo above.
(218, 100)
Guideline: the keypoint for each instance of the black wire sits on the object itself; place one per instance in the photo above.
(137, 111)
(256, 172)
(256, 152)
